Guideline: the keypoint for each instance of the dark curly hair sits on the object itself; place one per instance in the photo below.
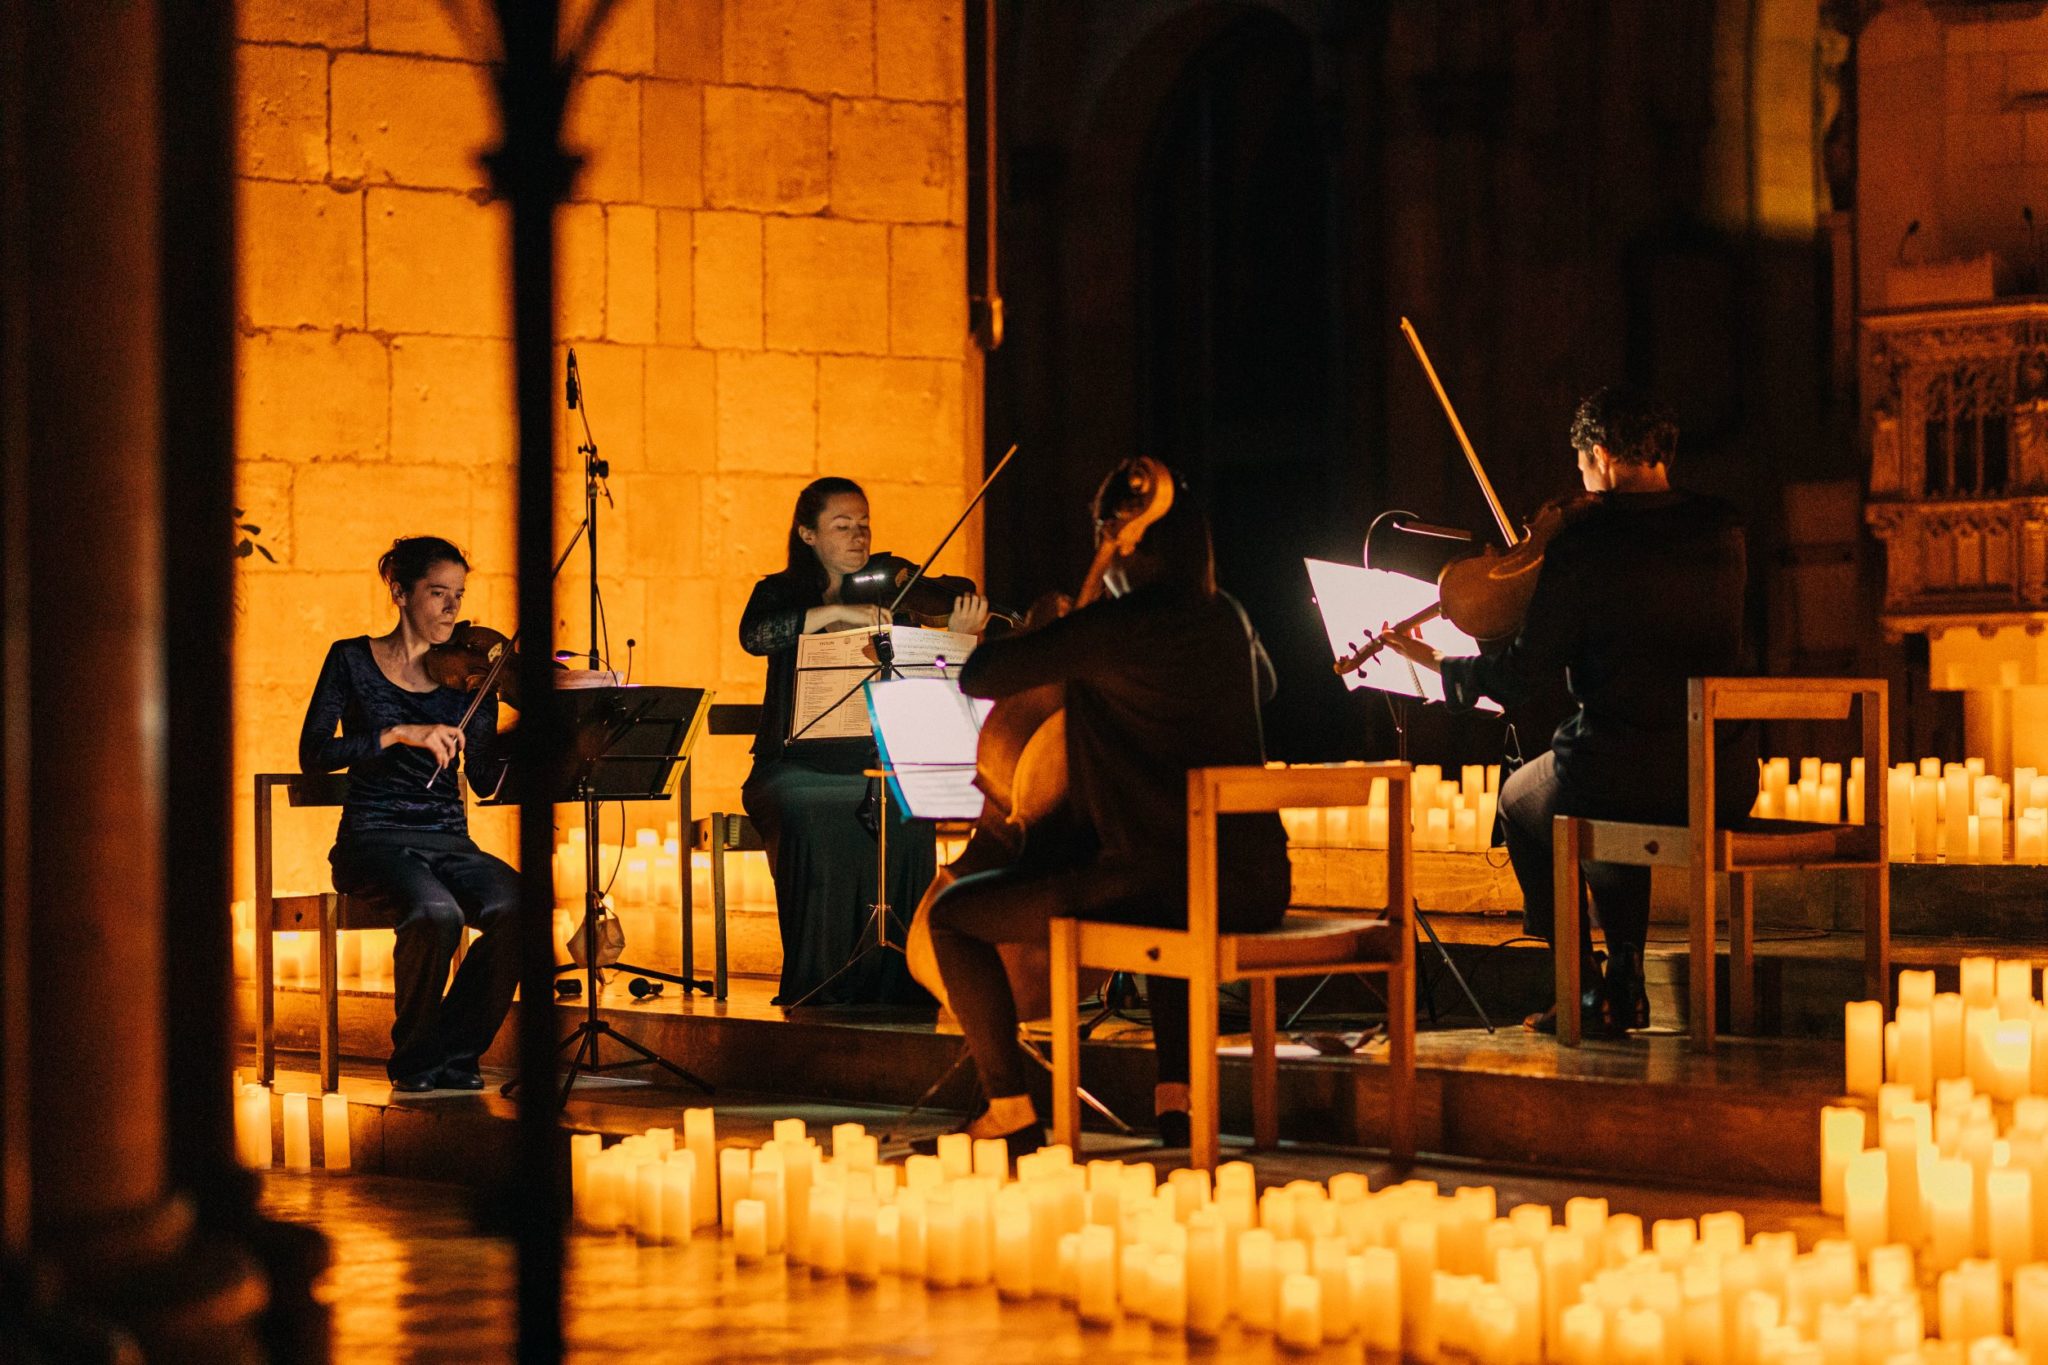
(411, 557)
(1634, 427)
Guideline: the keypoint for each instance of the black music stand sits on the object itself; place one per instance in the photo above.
(626, 744)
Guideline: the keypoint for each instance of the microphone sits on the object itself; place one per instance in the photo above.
(575, 390)
(642, 988)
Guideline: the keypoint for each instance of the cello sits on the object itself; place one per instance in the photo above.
(1021, 760)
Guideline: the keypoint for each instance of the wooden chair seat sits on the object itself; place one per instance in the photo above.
(1305, 943)
(301, 914)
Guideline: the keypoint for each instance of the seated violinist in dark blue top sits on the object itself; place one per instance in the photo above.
(404, 836)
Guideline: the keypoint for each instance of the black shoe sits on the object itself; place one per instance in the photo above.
(1594, 1019)
(460, 1078)
(1623, 992)
(418, 1084)
(1176, 1128)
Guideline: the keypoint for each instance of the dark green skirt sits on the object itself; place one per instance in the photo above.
(823, 859)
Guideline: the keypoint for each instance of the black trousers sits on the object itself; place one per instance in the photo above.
(1017, 905)
(433, 892)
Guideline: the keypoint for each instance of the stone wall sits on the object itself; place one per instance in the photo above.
(762, 273)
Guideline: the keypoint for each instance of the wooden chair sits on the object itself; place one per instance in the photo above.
(325, 914)
(1741, 851)
(1307, 943)
(718, 833)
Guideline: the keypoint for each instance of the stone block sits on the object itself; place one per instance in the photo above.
(630, 280)
(675, 263)
(910, 518)
(1984, 140)
(662, 536)
(682, 628)
(764, 149)
(432, 29)
(300, 250)
(263, 490)
(437, 264)
(689, 39)
(827, 285)
(625, 608)
(767, 413)
(822, 45)
(320, 23)
(626, 42)
(580, 241)
(280, 112)
(346, 515)
(726, 280)
(902, 417)
(746, 531)
(927, 291)
(682, 410)
(672, 143)
(891, 161)
(920, 51)
(306, 396)
(957, 185)
(614, 378)
(2020, 33)
(451, 402)
(602, 126)
(411, 121)
(493, 547)
(288, 619)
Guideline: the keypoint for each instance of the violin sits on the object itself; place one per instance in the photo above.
(476, 659)
(1485, 594)
(929, 597)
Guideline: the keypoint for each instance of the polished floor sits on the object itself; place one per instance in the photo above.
(412, 1280)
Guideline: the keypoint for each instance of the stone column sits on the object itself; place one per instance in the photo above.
(123, 1244)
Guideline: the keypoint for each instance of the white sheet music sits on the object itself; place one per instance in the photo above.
(1355, 602)
(927, 731)
(830, 666)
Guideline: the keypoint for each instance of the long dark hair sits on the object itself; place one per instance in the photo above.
(803, 564)
(410, 558)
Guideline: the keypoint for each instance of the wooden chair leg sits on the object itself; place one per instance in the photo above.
(1065, 942)
(1203, 1078)
(1700, 912)
(330, 998)
(1265, 1064)
(718, 906)
(1742, 953)
(1401, 1063)
(266, 995)
(1567, 838)
(1877, 935)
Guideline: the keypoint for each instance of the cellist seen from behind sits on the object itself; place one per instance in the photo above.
(1640, 592)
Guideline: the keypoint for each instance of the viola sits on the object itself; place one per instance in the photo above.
(929, 599)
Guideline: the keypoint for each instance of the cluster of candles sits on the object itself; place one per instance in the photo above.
(1993, 1033)
(1816, 796)
(1957, 812)
(255, 1131)
(1447, 814)
(1405, 1269)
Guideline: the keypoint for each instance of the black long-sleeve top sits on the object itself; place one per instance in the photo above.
(1640, 593)
(1157, 682)
(770, 627)
(388, 791)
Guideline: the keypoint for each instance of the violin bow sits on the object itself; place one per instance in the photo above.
(477, 699)
(1500, 516)
(954, 530)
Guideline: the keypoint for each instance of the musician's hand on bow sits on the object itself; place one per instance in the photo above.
(1412, 649)
(444, 742)
(970, 614)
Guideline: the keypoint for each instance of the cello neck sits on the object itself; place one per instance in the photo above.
(1500, 516)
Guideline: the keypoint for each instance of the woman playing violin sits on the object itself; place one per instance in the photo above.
(1162, 675)
(404, 835)
(807, 798)
(1641, 590)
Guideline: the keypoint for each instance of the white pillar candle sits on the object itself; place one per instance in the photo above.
(1955, 809)
(1991, 830)
(1330, 1263)
(678, 1179)
(646, 1205)
(1376, 1299)
(334, 1142)
(1949, 1201)
(1416, 1244)
(2015, 988)
(700, 1136)
(583, 1149)
(298, 1134)
(766, 1187)
(733, 1178)
(1096, 1302)
(912, 1258)
(1926, 812)
(1979, 981)
(942, 1241)
(825, 1230)
(1257, 1289)
(1638, 1338)
(991, 1157)
(1436, 831)
(864, 1263)
(1300, 1325)
(1864, 1047)
(2009, 1201)
(972, 1199)
(1208, 1287)
(1915, 1059)
(252, 1127)
(2030, 1310)
(956, 1155)
(1979, 1024)
(1013, 1246)
(1946, 1033)
(1866, 1212)
(1582, 1336)
(1899, 815)
(1169, 1292)
(750, 1230)
(1841, 1138)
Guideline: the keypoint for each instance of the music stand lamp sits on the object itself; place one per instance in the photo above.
(627, 744)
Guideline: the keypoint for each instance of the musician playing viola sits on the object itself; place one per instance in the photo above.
(1162, 675)
(1642, 590)
(404, 834)
(807, 799)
